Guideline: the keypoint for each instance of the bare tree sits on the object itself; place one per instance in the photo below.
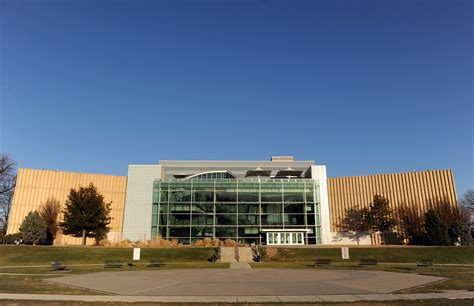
(450, 212)
(5, 204)
(7, 173)
(411, 223)
(7, 186)
(467, 201)
(49, 211)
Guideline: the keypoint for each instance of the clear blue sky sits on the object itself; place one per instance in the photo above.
(361, 86)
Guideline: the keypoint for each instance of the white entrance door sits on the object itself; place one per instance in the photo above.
(285, 238)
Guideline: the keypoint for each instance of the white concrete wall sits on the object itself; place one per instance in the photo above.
(319, 173)
(139, 201)
(350, 238)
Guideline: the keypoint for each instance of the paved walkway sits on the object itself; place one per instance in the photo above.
(234, 298)
(245, 282)
(240, 265)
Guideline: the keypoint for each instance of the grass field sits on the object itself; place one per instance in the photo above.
(40, 255)
(20, 279)
(35, 284)
(440, 255)
(13, 255)
(34, 262)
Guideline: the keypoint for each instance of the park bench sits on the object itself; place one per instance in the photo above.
(57, 266)
(368, 262)
(156, 263)
(424, 263)
(322, 262)
(113, 264)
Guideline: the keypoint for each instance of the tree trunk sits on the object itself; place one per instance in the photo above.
(83, 237)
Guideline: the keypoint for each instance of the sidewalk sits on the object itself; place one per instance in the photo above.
(234, 299)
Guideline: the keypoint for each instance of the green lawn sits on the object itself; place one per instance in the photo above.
(440, 255)
(32, 280)
(35, 284)
(12, 255)
(40, 255)
(90, 259)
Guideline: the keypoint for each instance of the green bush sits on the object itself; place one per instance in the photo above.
(10, 239)
(33, 229)
(459, 232)
(436, 229)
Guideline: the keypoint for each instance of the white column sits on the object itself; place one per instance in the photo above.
(139, 201)
(319, 173)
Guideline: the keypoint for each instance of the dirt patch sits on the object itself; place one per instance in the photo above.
(270, 253)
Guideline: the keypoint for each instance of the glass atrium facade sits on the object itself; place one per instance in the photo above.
(238, 209)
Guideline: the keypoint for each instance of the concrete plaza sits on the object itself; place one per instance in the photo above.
(245, 282)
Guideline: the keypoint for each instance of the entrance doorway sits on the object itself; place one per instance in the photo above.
(285, 238)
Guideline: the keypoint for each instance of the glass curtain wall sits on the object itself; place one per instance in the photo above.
(236, 209)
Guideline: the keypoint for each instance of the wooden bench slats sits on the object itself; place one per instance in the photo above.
(157, 263)
(58, 266)
(113, 264)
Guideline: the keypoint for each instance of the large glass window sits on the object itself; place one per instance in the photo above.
(226, 208)
(215, 205)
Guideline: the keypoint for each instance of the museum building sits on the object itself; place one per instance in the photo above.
(277, 202)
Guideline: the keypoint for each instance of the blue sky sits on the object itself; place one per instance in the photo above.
(361, 86)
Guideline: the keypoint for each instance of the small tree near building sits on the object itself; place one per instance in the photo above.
(354, 220)
(381, 217)
(33, 229)
(436, 229)
(86, 214)
(411, 223)
(49, 211)
(378, 217)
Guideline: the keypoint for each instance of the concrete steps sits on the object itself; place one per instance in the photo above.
(227, 254)
(233, 254)
(245, 254)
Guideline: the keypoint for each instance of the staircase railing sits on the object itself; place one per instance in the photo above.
(237, 256)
